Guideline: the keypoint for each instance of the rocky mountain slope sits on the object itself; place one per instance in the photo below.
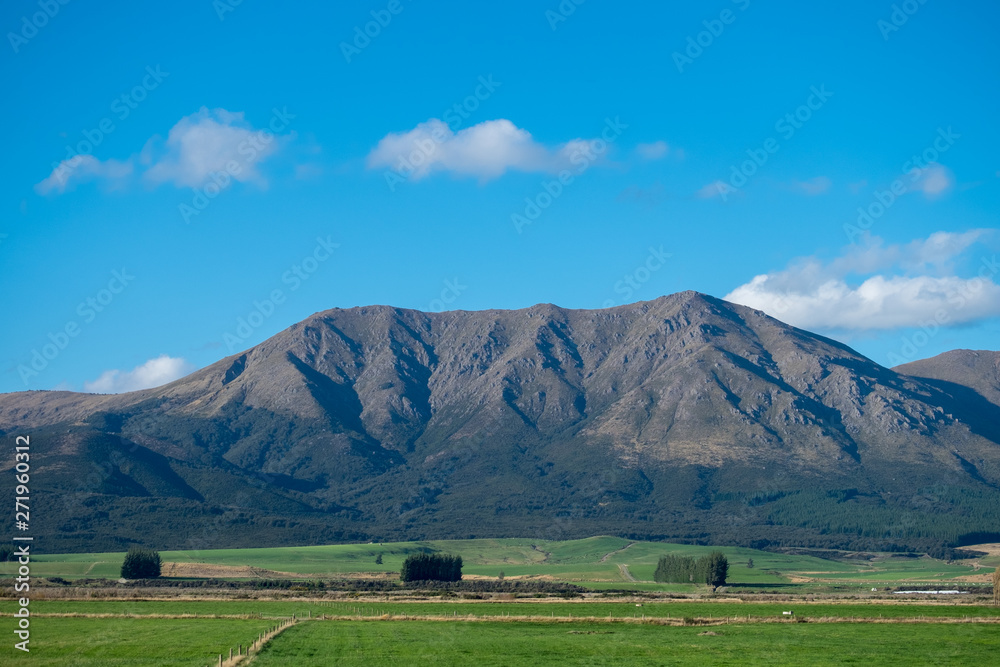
(978, 370)
(686, 417)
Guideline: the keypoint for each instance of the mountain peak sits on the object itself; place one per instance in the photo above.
(402, 420)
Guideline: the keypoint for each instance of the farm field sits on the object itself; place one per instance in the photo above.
(598, 562)
(417, 643)
(120, 641)
(836, 617)
(675, 609)
(120, 633)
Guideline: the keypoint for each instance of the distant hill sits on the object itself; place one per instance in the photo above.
(977, 369)
(686, 418)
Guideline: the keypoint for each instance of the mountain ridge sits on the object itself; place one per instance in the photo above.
(668, 416)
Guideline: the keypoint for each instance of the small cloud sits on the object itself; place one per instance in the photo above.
(934, 180)
(812, 187)
(486, 151)
(653, 151)
(204, 143)
(153, 373)
(196, 147)
(83, 168)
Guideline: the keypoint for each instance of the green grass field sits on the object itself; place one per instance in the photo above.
(674, 609)
(599, 562)
(507, 644)
(142, 632)
(121, 642)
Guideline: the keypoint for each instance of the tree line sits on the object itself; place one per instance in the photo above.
(431, 567)
(711, 569)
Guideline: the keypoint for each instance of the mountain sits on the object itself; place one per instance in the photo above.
(978, 370)
(684, 418)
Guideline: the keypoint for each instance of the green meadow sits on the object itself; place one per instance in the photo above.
(458, 608)
(597, 562)
(121, 642)
(507, 644)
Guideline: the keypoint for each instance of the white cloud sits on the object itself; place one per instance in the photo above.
(205, 142)
(934, 181)
(82, 168)
(912, 284)
(153, 373)
(653, 151)
(486, 151)
(812, 187)
(197, 146)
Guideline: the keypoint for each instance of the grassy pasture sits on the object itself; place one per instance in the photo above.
(594, 561)
(507, 644)
(600, 609)
(141, 632)
(130, 642)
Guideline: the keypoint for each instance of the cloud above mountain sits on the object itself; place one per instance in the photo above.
(875, 286)
(153, 373)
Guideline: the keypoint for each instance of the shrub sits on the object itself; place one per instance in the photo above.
(431, 567)
(141, 564)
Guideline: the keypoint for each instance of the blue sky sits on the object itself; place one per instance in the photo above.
(184, 180)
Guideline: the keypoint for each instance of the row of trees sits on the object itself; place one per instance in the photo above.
(431, 567)
(711, 569)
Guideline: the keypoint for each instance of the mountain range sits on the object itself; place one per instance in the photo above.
(685, 418)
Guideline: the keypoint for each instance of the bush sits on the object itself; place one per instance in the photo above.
(431, 567)
(141, 564)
